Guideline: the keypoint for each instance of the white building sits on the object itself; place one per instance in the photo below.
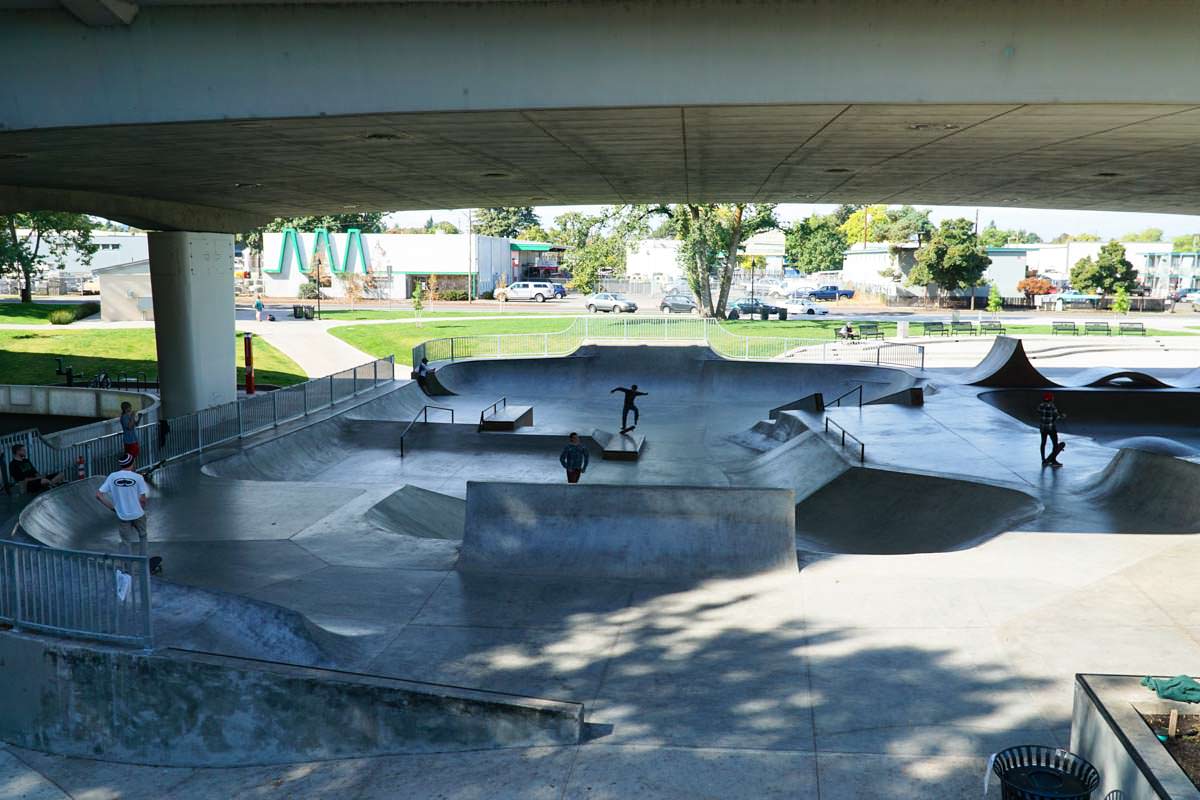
(771, 245)
(882, 268)
(391, 265)
(125, 292)
(112, 248)
(654, 260)
(1054, 261)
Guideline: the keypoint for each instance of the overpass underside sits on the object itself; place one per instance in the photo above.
(197, 115)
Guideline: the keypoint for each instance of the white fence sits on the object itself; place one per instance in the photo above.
(166, 440)
(668, 329)
(98, 596)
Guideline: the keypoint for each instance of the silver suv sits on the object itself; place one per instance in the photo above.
(527, 290)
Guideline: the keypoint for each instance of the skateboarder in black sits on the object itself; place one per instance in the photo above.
(631, 394)
(1048, 417)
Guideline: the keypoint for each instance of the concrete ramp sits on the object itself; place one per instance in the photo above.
(1152, 492)
(413, 511)
(803, 464)
(875, 511)
(642, 532)
(1006, 366)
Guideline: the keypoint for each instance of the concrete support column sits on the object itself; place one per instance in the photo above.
(191, 275)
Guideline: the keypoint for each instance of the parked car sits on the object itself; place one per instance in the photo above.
(678, 304)
(830, 292)
(560, 291)
(750, 307)
(527, 290)
(610, 301)
(802, 305)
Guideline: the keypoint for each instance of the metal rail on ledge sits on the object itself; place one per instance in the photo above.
(424, 412)
(493, 408)
(842, 397)
(862, 449)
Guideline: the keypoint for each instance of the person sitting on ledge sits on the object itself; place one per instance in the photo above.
(25, 474)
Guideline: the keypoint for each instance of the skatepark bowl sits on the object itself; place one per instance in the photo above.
(726, 584)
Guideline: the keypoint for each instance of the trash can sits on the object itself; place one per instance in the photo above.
(298, 311)
(732, 314)
(783, 313)
(309, 312)
(1034, 772)
(763, 315)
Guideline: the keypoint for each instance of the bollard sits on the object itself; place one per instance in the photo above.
(80, 471)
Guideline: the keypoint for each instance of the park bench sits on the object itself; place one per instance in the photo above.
(962, 327)
(1131, 328)
(1097, 327)
(938, 328)
(991, 327)
(869, 330)
(1063, 327)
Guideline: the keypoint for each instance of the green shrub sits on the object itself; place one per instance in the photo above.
(453, 294)
(488, 295)
(84, 310)
(62, 316)
(309, 290)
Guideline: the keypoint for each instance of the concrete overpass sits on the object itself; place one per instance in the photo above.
(217, 115)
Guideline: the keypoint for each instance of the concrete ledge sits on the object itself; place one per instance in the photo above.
(179, 708)
(648, 532)
(77, 401)
(1107, 730)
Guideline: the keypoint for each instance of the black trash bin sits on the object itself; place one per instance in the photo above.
(782, 313)
(733, 314)
(764, 314)
(298, 311)
(309, 312)
(1034, 772)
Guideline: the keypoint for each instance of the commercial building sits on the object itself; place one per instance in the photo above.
(390, 266)
(125, 293)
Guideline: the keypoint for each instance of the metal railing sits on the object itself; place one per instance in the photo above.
(838, 400)
(102, 596)
(167, 440)
(425, 413)
(493, 408)
(670, 328)
(862, 449)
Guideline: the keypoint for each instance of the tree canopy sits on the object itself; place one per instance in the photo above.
(952, 259)
(907, 223)
(815, 244)
(1188, 243)
(1063, 238)
(1144, 235)
(867, 224)
(504, 221)
(991, 236)
(711, 236)
(30, 241)
(598, 243)
(1105, 273)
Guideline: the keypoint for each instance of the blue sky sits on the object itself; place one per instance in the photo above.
(1046, 223)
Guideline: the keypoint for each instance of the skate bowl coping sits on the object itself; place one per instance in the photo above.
(640, 532)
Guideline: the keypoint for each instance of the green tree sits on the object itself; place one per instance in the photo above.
(33, 240)
(1188, 243)
(504, 221)
(843, 212)
(952, 259)
(867, 224)
(1063, 238)
(534, 233)
(995, 301)
(597, 244)
(1145, 235)
(907, 223)
(1121, 304)
(815, 244)
(418, 299)
(1109, 270)
(711, 236)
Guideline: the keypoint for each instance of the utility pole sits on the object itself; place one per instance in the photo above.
(470, 261)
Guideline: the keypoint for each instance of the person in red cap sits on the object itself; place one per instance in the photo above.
(1048, 417)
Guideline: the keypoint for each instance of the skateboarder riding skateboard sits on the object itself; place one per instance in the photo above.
(1048, 417)
(631, 394)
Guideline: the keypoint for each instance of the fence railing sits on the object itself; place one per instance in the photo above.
(649, 329)
(166, 440)
(862, 448)
(102, 596)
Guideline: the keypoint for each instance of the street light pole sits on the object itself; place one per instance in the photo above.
(470, 261)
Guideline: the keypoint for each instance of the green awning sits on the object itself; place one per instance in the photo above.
(531, 246)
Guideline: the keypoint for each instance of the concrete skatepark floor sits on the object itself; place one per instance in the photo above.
(862, 676)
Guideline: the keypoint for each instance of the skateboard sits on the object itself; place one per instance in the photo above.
(627, 430)
(1052, 459)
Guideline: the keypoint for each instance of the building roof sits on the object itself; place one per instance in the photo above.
(141, 267)
(539, 247)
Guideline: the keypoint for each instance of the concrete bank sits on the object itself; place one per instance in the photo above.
(103, 405)
(647, 532)
(180, 708)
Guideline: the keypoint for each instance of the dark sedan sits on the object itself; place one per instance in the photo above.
(678, 304)
(751, 307)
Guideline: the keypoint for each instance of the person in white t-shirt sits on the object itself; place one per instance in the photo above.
(124, 491)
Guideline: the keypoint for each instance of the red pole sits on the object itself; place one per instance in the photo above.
(248, 338)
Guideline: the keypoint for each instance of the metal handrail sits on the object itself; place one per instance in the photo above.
(838, 401)
(423, 412)
(494, 407)
(862, 448)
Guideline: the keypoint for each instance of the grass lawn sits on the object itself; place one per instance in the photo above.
(29, 313)
(398, 313)
(28, 356)
(383, 340)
